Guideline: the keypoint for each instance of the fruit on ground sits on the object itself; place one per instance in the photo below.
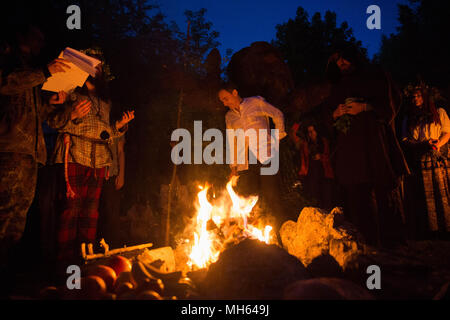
(106, 273)
(119, 264)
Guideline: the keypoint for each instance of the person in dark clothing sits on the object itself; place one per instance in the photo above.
(22, 147)
(367, 158)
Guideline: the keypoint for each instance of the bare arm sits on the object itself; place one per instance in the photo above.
(120, 180)
(443, 140)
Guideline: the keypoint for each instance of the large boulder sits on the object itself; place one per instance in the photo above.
(318, 233)
(306, 98)
(252, 270)
(260, 70)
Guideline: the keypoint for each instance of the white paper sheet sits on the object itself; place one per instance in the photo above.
(81, 66)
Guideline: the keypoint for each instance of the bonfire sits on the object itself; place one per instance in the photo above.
(220, 221)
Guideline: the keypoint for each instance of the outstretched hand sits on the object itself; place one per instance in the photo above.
(127, 117)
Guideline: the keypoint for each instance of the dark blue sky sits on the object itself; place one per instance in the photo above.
(241, 22)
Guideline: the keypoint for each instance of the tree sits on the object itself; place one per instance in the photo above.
(420, 48)
(307, 44)
(199, 41)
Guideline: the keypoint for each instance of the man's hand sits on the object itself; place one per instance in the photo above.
(81, 109)
(127, 117)
(340, 111)
(120, 180)
(233, 172)
(57, 65)
(282, 135)
(356, 107)
(58, 98)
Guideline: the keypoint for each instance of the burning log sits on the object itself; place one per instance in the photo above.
(228, 220)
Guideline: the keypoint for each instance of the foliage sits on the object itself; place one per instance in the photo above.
(343, 123)
(307, 44)
(145, 56)
(420, 48)
(199, 40)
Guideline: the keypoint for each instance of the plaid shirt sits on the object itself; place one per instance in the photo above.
(87, 146)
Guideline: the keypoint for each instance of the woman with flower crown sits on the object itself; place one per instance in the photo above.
(428, 129)
(85, 147)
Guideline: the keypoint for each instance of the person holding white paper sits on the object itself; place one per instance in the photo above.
(22, 146)
(81, 66)
(84, 146)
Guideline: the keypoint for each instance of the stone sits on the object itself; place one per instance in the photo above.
(260, 70)
(318, 233)
(252, 270)
(326, 289)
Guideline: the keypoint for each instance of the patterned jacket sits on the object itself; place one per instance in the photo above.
(90, 137)
(20, 92)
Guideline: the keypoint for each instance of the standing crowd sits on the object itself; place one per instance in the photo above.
(380, 154)
(351, 155)
(87, 155)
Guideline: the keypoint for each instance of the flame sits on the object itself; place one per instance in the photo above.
(211, 229)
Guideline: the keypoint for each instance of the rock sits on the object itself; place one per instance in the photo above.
(252, 270)
(326, 289)
(260, 70)
(306, 98)
(318, 233)
(325, 266)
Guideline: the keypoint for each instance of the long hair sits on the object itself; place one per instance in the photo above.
(352, 54)
(427, 113)
(101, 87)
(319, 139)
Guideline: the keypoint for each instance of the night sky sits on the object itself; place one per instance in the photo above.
(241, 22)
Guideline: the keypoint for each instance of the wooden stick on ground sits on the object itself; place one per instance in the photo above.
(108, 253)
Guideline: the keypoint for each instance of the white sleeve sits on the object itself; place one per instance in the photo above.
(277, 116)
(229, 138)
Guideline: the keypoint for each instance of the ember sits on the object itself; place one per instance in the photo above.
(215, 225)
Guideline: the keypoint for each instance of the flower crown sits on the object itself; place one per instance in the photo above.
(434, 92)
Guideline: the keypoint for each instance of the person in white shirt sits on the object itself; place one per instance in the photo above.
(428, 128)
(260, 175)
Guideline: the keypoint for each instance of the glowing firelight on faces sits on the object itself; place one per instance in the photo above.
(205, 249)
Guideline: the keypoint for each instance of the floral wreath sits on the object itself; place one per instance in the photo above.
(434, 92)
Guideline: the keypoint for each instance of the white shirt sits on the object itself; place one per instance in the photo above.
(433, 131)
(254, 113)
